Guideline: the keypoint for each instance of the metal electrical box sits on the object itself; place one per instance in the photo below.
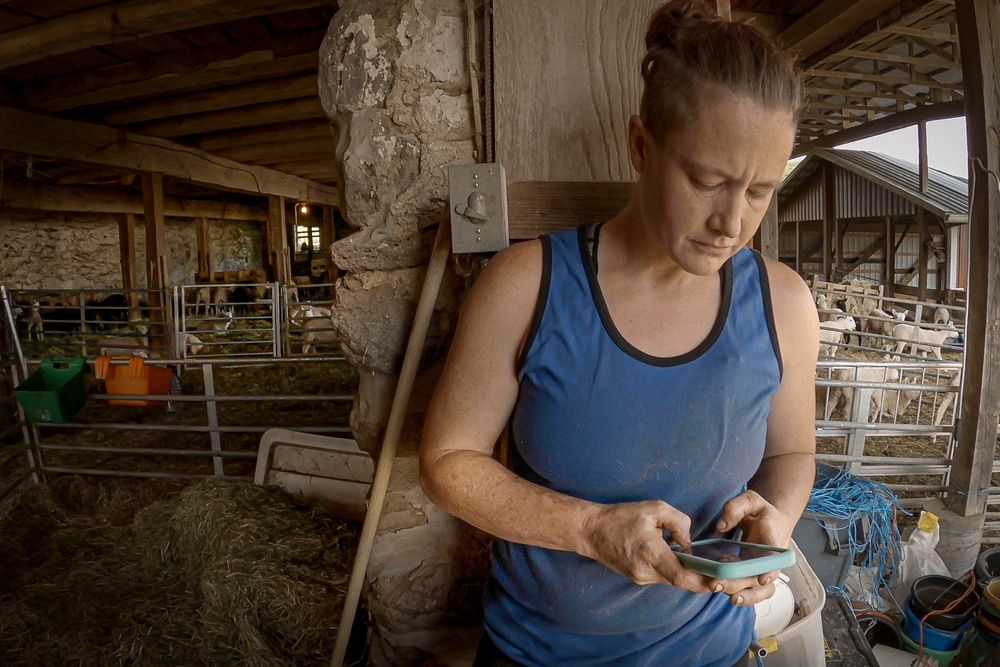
(478, 201)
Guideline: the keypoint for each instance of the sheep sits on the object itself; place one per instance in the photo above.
(883, 324)
(826, 311)
(318, 331)
(942, 315)
(921, 340)
(883, 400)
(202, 300)
(306, 312)
(125, 346)
(219, 325)
(193, 344)
(832, 332)
(220, 296)
(948, 400)
(33, 321)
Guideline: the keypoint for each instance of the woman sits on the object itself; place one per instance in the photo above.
(656, 374)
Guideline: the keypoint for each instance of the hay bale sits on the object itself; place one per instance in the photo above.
(223, 573)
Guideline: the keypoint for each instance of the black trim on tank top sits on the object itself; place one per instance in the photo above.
(543, 297)
(765, 290)
(587, 235)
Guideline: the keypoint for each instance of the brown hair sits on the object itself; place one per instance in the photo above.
(687, 44)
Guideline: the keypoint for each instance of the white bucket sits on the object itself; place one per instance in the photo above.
(800, 644)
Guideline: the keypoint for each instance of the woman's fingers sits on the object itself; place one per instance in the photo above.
(736, 509)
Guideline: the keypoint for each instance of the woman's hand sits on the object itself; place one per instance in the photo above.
(628, 538)
(762, 523)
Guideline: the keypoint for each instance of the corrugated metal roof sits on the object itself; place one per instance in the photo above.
(947, 196)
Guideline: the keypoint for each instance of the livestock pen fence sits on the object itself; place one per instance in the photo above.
(246, 378)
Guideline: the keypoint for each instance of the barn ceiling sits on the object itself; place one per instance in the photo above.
(239, 79)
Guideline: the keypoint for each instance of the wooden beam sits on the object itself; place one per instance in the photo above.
(926, 34)
(276, 152)
(880, 56)
(40, 197)
(157, 275)
(260, 114)
(723, 9)
(880, 78)
(829, 219)
(44, 136)
(829, 21)
(769, 231)
(204, 248)
(922, 155)
(894, 122)
(277, 240)
(538, 207)
(890, 256)
(271, 90)
(162, 74)
(971, 472)
(266, 134)
(126, 246)
(798, 248)
(922, 252)
(140, 18)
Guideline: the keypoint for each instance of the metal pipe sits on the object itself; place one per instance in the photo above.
(145, 475)
(193, 428)
(151, 451)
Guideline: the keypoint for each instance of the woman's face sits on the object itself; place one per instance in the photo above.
(703, 193)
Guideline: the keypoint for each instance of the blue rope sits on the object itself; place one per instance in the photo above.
(852, 499)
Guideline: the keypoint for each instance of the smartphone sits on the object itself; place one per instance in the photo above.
(731, 559)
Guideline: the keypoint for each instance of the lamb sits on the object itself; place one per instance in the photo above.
(883, 400)
(948, 400)
(826, 311)
(942, 315)
(193, 344)
(318, 331)
(307, 311)
(831, 333)
(125, 346)
(884, 324)
(219, 325)
(921, 340)
(202, 300)
(33, 321)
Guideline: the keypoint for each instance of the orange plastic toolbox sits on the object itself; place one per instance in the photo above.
(134, 379)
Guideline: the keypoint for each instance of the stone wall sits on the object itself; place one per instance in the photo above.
(394, 81)
(74, 250)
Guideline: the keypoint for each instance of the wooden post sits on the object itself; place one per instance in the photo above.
(890, 256)
(327, 235)
(829, 218)
(204, 251)
(724, 10)
(156, 259)
(769, 231)
(126, 246)
(798, 248)
(979, 32)
(922, 154)
(922, 254)
(277, 241)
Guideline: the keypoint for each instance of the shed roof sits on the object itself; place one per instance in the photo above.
(947, 196)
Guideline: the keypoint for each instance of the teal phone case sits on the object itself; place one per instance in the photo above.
(737, 570)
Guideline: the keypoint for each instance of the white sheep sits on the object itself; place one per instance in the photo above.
(942, 315)
(318, 331)
(826, 311)
(219, 325)
(881, 323)
(202, 300)
(921, 340)
(193, 344)
(832, 332)
(883, 400)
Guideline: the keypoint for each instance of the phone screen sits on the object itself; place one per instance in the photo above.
(728, 551)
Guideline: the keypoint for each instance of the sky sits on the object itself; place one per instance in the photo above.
(947, 149)
(946, 145)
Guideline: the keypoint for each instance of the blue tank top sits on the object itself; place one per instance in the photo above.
(600, 420)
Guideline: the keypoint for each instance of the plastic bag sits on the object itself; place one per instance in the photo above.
(919, 558)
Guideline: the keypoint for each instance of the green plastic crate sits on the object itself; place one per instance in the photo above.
(54, 393)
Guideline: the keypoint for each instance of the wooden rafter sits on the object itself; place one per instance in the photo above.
(243, 117)
(139, 18)
(270, 90)
(829, 21)
(45, 136)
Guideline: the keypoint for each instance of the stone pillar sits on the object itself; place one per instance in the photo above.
(960, 537)
(395, 83)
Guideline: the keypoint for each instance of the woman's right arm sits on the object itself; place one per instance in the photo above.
(474, 399)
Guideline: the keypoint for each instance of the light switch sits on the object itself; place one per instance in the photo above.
(478, 201)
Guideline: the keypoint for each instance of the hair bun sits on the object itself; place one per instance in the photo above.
(673, 17)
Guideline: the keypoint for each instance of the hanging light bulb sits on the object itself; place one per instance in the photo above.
(303, 209)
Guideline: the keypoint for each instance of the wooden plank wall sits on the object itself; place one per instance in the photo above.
(566, 80)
